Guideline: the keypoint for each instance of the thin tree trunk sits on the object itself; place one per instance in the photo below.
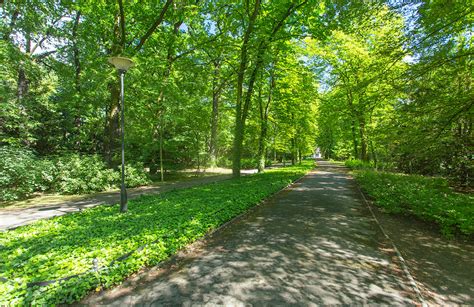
(293, 151)
(77, 78)
(363, 140)
(264, 110)
(215, 114)
(162, 175)
(354, 139)
(374, 154)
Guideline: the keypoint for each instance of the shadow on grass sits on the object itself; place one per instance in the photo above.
(301, 247)
(67, 245)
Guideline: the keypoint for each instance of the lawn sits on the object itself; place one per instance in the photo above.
(427, 198)
(100, 247)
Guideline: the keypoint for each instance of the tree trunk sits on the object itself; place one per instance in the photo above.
(77, 80)
(374, 154)
(162, 175)
(112, 132)
(264, 109)
(363, 140)
(23, 84)
(239, 120)
(354, 139)
(293, 151)
(215, 114)
(262, 149)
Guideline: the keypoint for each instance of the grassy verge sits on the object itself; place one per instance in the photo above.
(103, 247)
(424, 197)
(54, 199)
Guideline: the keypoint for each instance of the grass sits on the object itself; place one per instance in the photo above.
(427, 198)
(92, 243)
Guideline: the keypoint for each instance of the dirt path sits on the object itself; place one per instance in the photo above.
(14, 217)
(314, 243)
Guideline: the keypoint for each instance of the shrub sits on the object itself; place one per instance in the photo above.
(79, 174)
(135, 175)
(358, 164)
(22, 173)
(18, 175)
(248, 163)
(427, 198)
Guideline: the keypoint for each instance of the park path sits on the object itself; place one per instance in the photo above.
(315, 243)
(15, 217)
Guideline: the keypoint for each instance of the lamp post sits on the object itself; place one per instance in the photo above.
(122, 65)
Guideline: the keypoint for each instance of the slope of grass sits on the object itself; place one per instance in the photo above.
(427, 198)
(103, 247)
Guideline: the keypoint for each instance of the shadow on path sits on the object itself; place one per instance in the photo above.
(443, 268)
(314, 243)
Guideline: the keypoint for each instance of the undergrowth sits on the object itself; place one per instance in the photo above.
(427, 198)
(92, 243)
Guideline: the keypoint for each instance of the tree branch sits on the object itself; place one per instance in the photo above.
(122, 23)
(152, 29)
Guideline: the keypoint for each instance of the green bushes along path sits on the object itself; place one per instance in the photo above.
(22, 173)
(425, 197)
(92, 243)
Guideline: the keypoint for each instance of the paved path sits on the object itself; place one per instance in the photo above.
(315, 243)
(15, 217)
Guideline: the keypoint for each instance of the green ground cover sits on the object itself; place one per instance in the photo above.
(427, 198)
(92, 242)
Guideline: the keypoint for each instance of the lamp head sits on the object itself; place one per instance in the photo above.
(121, 63)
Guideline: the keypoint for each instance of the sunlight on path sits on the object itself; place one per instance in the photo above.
(315, 243)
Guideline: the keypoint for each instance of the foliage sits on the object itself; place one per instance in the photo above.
(135, 175)
(398, 88)
(429, 199)
(358, 164)
(161, 224)
(23, 173)
(76, 174)
(18, 176)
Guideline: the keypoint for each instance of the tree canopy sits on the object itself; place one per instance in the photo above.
(241, 83)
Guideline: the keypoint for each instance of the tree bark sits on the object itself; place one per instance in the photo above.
(363, 140)
(264, 110)
(162, 175)
(354, 139)
(77, 79)
(215, 113)
(239, 121)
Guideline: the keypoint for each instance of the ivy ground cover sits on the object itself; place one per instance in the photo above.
(102, 246)
(427, 198)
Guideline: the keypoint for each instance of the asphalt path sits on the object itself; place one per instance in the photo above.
(315, 243)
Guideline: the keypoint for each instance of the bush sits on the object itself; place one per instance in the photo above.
(247, 163)
(79, 174)
(59, 247)
(18, 175)
(358, 164)
(22, 173)
(135, 175)
(428, 198)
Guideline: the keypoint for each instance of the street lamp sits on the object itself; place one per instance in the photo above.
(122, 65)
